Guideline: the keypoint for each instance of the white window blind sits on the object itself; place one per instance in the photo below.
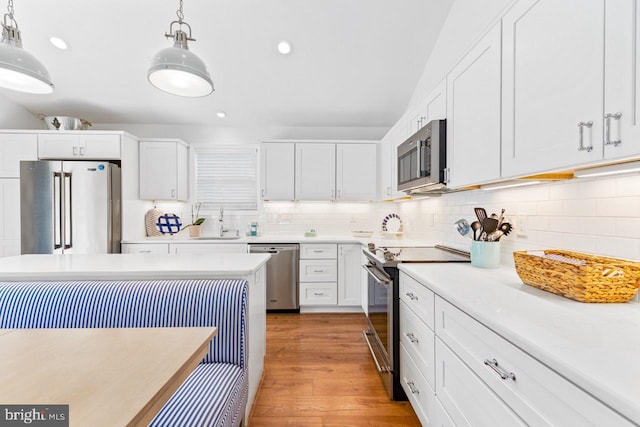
(227, 177)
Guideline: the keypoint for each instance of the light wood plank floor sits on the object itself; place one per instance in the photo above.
(318, 372)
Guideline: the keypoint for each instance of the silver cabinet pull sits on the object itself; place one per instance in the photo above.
(173, 193)
(339, 194)
(493, 364)
(411, 296)
(145, 252)
(82, 150)
(581, 127)
(412, 387)
(75, 151)
(332, 194)
(412, 337)
(262, 193)
(607, 128)
(318, 271)
(388, 191)
(318, 294)
(318, 251)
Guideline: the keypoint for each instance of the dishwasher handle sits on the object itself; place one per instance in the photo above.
(271, 249)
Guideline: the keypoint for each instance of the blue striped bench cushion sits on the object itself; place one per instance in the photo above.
(123, 304)
(214, 394)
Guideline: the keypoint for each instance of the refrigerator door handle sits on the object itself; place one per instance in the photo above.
(57, 210)
(68, 206)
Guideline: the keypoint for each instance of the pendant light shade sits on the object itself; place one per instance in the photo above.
(19, 70)
(177, 70)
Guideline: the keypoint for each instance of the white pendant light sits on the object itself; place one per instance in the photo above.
(178, 71)
(19, 70)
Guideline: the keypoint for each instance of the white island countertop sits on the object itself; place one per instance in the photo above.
(129, 266)
(595, 346)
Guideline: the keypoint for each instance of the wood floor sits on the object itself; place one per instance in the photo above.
(318, 372)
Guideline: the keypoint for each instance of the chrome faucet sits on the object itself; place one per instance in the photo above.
(221, 221)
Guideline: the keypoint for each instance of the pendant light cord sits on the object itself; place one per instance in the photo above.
(9, 14)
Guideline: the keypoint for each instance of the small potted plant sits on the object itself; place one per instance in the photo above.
(196, 222)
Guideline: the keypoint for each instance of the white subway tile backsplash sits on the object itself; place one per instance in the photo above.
(618, 207)
(579, 207)
(617, 247)
(565, 224)
(628, 227)
(550, 208)
(599, 226)
(627, 186)
(599, 216)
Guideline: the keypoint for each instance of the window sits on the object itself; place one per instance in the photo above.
(226, 175)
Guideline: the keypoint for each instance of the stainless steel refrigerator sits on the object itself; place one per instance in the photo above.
(70, 207)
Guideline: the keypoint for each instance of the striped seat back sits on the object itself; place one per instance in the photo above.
(134, 304)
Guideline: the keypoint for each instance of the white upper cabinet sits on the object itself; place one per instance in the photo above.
(473, 114)
(15, 147)
(79, 146)
(356, 167)
(622, 85)
(315, 171)
(389, 161)
(277, 170)
(164, 170)
(552, 104)
(433, 107)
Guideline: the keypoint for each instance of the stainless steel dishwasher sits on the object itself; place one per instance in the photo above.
(282, 275)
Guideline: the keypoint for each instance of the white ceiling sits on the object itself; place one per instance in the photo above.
(355, 62)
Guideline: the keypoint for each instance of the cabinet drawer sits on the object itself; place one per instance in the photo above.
(418, 298)
(418, 340)
(318, 251)
(465, 397)
(539, 395)
(417, 388)
(145, 248)
(318, 293)
(318, 270)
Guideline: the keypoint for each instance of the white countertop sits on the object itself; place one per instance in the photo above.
(595, 346)
(129, 266)
(281, 238)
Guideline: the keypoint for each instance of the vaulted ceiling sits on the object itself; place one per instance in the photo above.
(354, 63)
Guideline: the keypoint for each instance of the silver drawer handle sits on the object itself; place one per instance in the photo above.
(607, 131)
(318, 251)
(581, 127)
(145, 252)
(412, 337)
(493, 364)
(318, 271)
(413, 388)
(411, 296)
(318, 294)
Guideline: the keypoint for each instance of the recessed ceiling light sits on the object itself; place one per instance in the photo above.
(221, 114)
(59, 43)
(285, 47)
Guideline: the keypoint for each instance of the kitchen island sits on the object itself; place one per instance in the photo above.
(557, 350)
(249, 267)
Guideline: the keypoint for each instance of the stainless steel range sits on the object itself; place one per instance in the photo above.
(383, 335)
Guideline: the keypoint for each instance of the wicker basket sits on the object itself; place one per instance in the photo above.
(581, 277)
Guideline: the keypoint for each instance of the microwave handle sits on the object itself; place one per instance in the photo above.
(419, 168)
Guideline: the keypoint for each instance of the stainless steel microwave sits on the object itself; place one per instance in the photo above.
(422, 160)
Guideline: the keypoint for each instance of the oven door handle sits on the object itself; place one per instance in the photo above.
(367, 338)
(377, 276)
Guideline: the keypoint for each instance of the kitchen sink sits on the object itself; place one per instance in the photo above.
(218, 237)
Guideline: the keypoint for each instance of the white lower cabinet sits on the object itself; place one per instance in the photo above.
(418, 389)
(318, 293)
(480, 378)
(145, 248)
(318, 274)
(465, 397)
(537, 394)
(349, 275)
